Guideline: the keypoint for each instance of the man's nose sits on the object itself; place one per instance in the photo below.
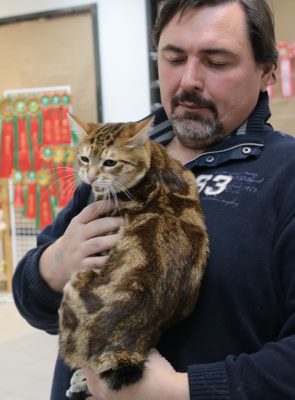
(193, 76)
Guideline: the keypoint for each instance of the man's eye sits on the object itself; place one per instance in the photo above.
(216, 64)
(85, 159)
(176, 61)
(109, 163)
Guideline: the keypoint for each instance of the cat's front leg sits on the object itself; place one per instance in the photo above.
(78, 389)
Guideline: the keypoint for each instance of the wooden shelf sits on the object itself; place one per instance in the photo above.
(6, 269)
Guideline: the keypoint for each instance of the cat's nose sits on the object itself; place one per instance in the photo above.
(91, 179)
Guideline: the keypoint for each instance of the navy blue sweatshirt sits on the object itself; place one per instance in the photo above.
(239, 343)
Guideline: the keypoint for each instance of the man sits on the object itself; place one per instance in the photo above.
(216, 59)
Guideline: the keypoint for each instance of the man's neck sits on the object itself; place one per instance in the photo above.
(181, 153)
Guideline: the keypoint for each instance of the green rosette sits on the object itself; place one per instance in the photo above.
(65, 99)
(18, 177)
(6, 109)
(45, 100)
(47, 153)
(33, 106)
(31, 177)
(56, 100)
(43, 177)
(19, 107)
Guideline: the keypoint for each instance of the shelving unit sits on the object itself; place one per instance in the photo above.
(6, 268)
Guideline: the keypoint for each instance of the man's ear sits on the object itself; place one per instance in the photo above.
(267, 76)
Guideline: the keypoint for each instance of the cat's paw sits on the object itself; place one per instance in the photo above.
(78, 389)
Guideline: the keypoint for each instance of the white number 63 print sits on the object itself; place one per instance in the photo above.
(213, 185)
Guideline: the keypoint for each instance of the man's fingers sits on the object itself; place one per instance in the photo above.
(103, 226)
(94, 263)
(99, 244)
(95, 210)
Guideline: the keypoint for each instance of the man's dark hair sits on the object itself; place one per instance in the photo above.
(259, 18)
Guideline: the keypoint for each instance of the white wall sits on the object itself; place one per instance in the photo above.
(123, 51)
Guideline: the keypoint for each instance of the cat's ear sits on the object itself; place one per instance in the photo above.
(140, 132)
(80, 127)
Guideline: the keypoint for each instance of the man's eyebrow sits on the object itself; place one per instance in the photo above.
(218, 50)
(207, 51)
(171, 47)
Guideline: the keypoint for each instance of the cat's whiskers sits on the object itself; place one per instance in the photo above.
(108, 193)
(123, 189)
(70, 178)
(71, 186)
(115, 198)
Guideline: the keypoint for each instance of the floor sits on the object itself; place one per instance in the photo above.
(27, 356)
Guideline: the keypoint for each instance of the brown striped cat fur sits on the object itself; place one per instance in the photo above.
(111, 318)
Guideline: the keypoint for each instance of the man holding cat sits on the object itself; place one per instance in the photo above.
(216, 59)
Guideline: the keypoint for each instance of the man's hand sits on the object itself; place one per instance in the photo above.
(160, 382)
(77, 250)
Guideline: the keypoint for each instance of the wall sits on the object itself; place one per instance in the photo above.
(123, 51)
(283, 109)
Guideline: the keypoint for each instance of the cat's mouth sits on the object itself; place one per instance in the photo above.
(98, 189)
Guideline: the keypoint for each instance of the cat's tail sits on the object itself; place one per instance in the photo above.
(122, 369)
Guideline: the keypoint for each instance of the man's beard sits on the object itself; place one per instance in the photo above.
(194, 130)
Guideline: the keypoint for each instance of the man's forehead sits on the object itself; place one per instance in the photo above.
(212, 27)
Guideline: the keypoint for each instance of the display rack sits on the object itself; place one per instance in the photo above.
(6, 268)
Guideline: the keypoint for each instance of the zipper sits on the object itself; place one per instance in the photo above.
(225, 150)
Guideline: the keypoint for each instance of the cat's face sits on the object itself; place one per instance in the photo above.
(112, 157)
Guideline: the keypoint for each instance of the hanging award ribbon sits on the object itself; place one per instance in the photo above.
(56, 119)
(34, 127)
(47, 163)
(30, 196)
(7, 139)
(65, 123)
(45, 211)
(18, 189)
(22, 155)
(285, 69)
(47, 139)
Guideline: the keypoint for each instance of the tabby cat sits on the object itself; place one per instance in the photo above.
(110, 319)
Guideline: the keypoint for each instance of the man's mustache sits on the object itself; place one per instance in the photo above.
(195, 98)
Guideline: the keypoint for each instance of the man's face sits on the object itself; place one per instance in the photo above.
(209, 79)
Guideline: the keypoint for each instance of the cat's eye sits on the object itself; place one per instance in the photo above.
(109, 163)
(85, 159)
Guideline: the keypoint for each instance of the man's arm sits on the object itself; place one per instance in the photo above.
(63, 248)
(35, 300)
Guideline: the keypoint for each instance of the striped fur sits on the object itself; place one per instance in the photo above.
(110, 319)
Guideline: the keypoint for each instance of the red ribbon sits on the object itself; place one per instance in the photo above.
(48, 139)
(46, 216)
(35, 143)
(7, 145)
(31, 201)
(18, 195)
(24, 163)
(285, 54)
(56, 121)
(65, 126)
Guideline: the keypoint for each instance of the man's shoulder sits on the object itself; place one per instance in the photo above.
(280, 138)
